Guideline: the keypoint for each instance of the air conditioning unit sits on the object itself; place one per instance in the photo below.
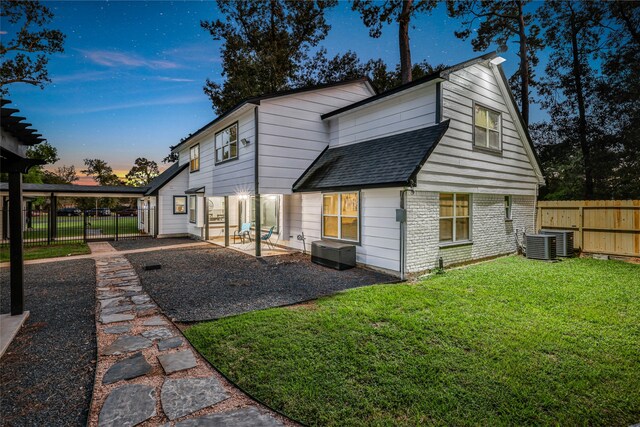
(541, 246)
(564, 241)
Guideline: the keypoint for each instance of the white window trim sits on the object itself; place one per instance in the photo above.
(508, 213)
(215, 145)
(340, 216)
(454, 240)
(192, 158)
(192, 204)
(486, 145)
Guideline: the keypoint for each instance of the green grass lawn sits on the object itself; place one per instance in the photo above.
(507, 342)
(37, 252)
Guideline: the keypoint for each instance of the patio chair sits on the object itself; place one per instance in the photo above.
(242, 232)
(267, 237)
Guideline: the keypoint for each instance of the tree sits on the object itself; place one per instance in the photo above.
(101, 172)
(62, 175)
(171, 157)
(45, 152)
(265, 44)
(573, 33)
(142, 172)
(375, 14)
(25, 55)
(500, 22)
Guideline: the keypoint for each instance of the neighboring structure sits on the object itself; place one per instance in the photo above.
(439, 168)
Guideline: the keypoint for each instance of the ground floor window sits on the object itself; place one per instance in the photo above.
(192, 209)
(454, 217)
(179, 205)
(508, 204)
(341, 216)
(269, 212)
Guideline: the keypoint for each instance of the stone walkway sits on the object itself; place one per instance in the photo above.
(148, 373)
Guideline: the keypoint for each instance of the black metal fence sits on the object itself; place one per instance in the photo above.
(69, 225)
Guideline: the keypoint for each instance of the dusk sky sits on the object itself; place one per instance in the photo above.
(129, 83)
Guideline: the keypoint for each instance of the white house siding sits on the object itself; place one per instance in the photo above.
(171, 224)
(455, 165)
(412, 109)
(292, 135)
(380, 233)
(491, 233)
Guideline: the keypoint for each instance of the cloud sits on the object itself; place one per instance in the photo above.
(120, 59)
(187, 99)
(172, 79)
(82, 76)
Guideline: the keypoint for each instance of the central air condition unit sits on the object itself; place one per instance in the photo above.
(564, 241)
(541, 246)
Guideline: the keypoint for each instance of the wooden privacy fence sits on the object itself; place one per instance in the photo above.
(601, 226)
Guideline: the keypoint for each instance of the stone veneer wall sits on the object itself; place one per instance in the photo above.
(491, 234)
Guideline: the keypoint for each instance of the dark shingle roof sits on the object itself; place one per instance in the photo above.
(161, 180)
(390, 161)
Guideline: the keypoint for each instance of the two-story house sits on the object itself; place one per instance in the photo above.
(441, 168)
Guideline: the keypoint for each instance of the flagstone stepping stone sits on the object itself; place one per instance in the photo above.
(157, 334)
(128, 343)
(140, 299)
(184, 396)
(131, 367)
(113, 318)
(155, 321)
(178, 361)
(110, 302)
(244, 417)
(143, 307)
(174, 342)
(108, 295)
(117, 309)
(131, 288)
(119, 329)
(127, 406)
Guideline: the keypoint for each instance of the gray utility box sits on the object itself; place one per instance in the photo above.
(340, 256)
(541, 246)
(564, 241)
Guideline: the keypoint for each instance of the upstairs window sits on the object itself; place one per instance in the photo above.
(487, 128)
(341, 216)
(454, 217)
(194, 158)
(226, 144)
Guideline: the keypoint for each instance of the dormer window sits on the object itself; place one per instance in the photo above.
(226, 144)
(194, 158)
(487, 128)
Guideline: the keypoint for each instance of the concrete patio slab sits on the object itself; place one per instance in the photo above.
(9, 327)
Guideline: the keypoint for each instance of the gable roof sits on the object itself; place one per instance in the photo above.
(417, 82)
(389, 161)
(161, 180)
(255, 100)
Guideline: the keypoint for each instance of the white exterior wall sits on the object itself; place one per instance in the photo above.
(171, 224)
(292, 135)
(412, 109)
(491, 233)
(455, 165)
(380, 233)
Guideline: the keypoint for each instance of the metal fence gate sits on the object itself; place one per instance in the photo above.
(70, 225)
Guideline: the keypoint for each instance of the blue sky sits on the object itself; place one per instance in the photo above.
(129, 83)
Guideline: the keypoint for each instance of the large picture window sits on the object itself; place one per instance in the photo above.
(179, 205)
(194, 158)
(192, 209)
(226, 144)
(486, 128)
(454, 218)
(341, 216)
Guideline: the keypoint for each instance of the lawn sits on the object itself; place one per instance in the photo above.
(51, 251)
(507, 342)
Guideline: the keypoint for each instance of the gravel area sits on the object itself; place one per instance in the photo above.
(128, 244)
(202, 284)
(46, 375)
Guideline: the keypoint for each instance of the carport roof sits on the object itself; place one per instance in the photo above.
(79, 189)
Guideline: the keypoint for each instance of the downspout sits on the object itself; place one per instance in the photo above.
(257, 186)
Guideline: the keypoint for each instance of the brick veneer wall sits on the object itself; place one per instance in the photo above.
(491, 234)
